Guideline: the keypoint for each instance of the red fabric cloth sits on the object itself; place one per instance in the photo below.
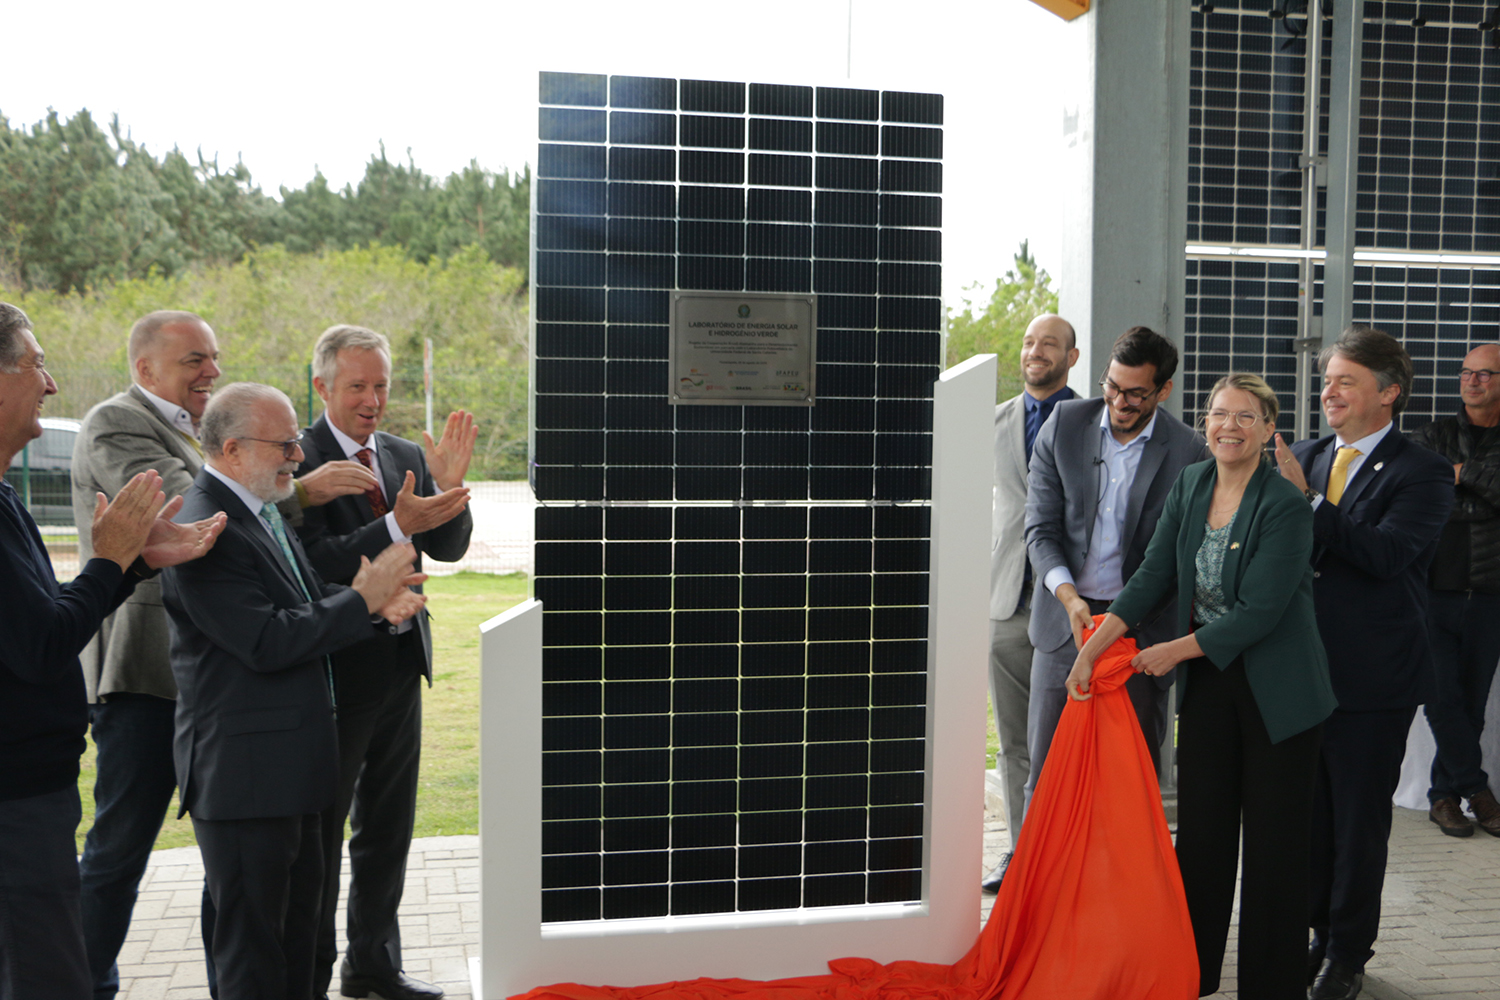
(1091, 908)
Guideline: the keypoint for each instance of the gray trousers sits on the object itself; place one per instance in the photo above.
(1010, 694)
(1049, 671)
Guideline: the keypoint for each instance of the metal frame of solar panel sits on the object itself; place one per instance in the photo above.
(734, 646)
(1427, 194)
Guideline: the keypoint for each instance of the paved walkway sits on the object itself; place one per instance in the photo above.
(1440, 936)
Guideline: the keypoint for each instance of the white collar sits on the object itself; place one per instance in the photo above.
(250, 500)
(351, 447)
(174, 414)
(1368, 443)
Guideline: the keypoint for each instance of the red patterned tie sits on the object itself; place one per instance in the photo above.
(373, 494)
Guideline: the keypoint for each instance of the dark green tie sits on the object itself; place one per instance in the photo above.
(272, 517)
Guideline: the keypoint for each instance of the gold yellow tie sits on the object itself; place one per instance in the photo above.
(1338, 478)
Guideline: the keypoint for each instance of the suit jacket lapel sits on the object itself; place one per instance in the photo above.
(391, 477)
(1093, 441)
(1013, 441)
(185, 447)
(1249, 504)
(1371, 467)
(1153, 454)
(260, 535)
(329, 450)
(1322, 464)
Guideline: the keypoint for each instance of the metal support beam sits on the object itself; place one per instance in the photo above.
(1343, 162)
(1125, 130)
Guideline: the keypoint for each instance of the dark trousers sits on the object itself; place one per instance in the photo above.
(132, 789)
(1464, 627)
(266, 879)
(41, 934)
(1231, 776)
(1358, 770)
(380, 741)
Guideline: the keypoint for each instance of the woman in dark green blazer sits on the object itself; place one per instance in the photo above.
(1235, 541)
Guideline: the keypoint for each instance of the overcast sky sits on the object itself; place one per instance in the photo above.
(294, 86)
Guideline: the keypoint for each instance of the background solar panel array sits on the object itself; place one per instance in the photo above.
(1429, 138)
(736, 597)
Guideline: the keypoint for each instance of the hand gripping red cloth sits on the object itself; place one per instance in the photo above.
(1091, 907)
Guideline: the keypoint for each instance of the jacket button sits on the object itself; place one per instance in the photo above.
(391, 629)
(1317, 573)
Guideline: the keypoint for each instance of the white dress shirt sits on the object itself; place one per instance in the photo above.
(1364, 446)
(174, 414)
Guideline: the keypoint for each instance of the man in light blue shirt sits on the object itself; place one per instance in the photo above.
(1099, 476)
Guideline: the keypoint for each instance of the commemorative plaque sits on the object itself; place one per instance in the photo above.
(743, 348)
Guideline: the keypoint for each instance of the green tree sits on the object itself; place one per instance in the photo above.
(1020, 296)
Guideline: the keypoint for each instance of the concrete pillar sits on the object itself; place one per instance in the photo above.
(1125, 217)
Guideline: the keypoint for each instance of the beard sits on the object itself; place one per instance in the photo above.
(263, 484)
(1046, 376)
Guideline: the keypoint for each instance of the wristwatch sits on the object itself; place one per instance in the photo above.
(1311, 494)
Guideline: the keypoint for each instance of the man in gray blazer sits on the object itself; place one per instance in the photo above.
(255, 747)
(1048, 352)
(1099, 477)
(173, 360)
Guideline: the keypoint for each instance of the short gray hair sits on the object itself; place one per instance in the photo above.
(231, 411)
(143, 333)
(13, 323)
(344, 337)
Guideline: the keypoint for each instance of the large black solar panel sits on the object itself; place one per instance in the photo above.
(735, 633)
(1426, 186)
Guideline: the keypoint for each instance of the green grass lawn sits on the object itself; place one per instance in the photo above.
(448, 796)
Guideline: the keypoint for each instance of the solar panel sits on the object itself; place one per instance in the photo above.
(1428, 134)
(736, 596)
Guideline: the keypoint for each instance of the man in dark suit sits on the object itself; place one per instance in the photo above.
(1099, 476)
(255, 745)
(152, 425)
(420, 500)
(1380, 502)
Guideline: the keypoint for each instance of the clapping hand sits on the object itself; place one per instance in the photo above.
(171, 544)
(122, 526)
(448, 459)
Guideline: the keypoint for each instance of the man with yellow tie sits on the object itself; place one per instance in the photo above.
(1380, 503)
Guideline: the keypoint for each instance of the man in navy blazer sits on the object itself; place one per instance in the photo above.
(421, 501)
(1099, 476)
(1380, 503)
(255, 745)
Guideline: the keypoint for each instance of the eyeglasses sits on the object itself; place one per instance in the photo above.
(1243, 418)
(1480, 375)
(1136, 396)
(287, 447)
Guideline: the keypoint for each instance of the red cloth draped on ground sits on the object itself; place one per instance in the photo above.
(1091, 908)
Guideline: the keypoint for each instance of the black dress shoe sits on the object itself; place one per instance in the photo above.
(1336, 982)
(394, 986)
(991, 883)
(1314, 959)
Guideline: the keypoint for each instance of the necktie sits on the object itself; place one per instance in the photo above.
(272, 517)
(197, 445)
(373, 494)
(1338, 478)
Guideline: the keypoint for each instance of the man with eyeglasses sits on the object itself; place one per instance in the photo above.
(174, 363)
(1463, 605)
(1100, 472)
(256, 746)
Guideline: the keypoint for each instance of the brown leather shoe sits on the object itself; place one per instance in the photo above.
(1486, 812)
(1451, 819)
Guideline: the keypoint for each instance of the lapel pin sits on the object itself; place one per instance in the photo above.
(1234, 545)
(1379, 466)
